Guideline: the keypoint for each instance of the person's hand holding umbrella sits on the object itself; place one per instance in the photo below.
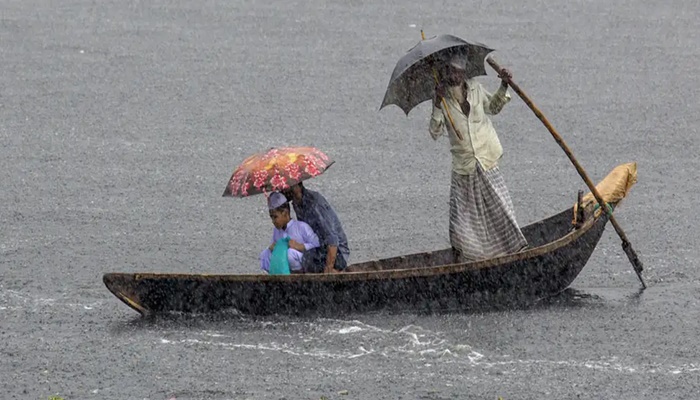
(440, 92)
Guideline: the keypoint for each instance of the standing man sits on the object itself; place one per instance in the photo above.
(312, 208)
(482, 217)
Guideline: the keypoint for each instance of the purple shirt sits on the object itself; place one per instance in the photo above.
(299, 232)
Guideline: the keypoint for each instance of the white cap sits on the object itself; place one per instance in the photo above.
(276, 200)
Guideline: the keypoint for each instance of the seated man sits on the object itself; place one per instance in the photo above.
(302, 237)
(312, 208)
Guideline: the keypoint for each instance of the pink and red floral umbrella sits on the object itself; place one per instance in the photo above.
(276, 169)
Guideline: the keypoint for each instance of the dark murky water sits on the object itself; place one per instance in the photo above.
(122, 121)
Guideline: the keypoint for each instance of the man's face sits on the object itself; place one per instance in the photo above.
(293, 194)
(454, 76)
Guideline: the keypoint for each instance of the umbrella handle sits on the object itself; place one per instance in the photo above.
(449, 115)
(444, 102)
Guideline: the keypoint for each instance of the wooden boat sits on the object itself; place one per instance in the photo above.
(558, 252)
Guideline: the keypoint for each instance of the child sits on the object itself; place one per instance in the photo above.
(301, 236)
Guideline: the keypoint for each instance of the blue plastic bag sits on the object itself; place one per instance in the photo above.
(279, 263)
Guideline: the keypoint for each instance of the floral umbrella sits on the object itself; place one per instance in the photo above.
(276, 169)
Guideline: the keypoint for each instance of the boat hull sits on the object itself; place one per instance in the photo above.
(428, 281)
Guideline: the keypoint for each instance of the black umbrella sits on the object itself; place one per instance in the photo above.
(413, 79)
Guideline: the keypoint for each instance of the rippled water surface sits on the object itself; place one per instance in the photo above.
(122, 122)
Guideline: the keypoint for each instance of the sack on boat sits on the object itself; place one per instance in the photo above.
(279, 263)
(612, 189)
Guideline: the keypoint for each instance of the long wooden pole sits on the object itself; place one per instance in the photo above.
(626, 245)
(444, 103)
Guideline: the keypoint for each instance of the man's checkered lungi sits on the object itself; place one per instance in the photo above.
(482, 217)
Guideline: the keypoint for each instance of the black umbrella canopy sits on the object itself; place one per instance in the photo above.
(413, 79)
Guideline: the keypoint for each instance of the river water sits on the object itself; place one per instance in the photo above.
(123, 120)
